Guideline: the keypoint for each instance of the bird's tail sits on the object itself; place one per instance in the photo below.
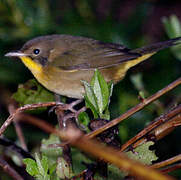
(153, 48)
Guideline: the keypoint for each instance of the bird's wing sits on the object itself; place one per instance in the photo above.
(92, 54)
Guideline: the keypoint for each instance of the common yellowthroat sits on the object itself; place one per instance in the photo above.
(60, 62)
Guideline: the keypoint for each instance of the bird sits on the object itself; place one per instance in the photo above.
(61, 62)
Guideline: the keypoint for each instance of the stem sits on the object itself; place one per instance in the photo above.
(21, 109)
(167, 162)
(112, 156)
(172, 168)
(153, 125)
(9, 170)
(108, 154)
(18, 129)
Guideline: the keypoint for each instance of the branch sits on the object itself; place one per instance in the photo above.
(9, 170)
(167, 162)
(108, 154)
(13, 147)
(136, 108)
(22, 109)
(112, 156)
(154, 124)
(171, 168)
(12, 108)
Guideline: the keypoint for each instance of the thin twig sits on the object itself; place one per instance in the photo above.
(112, 156)
(66, 151)
(171, 168)
(154, 124)
(100, 151)
(160, 131)
(21, 109)
(18, 129)
(136, 108)
(13, 147)
(9, 170)
(64, 120)
(167, 162)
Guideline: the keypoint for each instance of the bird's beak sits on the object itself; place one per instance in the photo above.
(15, 54)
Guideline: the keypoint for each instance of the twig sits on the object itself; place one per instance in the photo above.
(37, 122)
(136, 108)
(66, 152)
(18, 129)
(21, 109)
(64, 120)
(13, 147)
(111, 155)
(154, 124)
(171, 168)
(160, 131)
(167, 162)
(9, 170)
(100, 151)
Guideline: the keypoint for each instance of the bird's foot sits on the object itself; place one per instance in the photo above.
(67, 111)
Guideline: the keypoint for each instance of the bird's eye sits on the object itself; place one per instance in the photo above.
(36, 51)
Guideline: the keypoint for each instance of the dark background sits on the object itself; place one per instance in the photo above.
(133, 23)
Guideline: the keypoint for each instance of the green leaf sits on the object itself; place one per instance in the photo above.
(42, 167)
(110, 87)
(101, 91)
(77, 158)
(52, 169)
(97, 96)
(31, 166)
(44, 163)
(172, 27)
(32, 92)
(84, 120)
(143, 154)
(114, 172)
(137, 81)
(90, 105)
(106, 114)
(51, 151)
(39, 165)
(63, 169)
(90, 96)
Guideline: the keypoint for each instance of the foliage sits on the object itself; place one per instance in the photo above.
(132, 24)
(97, 96)
(38, 168)
(143, 154)
(173, 29)
(31, 93)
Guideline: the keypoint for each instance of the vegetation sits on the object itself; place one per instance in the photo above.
(47, 156)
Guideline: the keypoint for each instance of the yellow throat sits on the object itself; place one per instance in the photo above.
(34, 67)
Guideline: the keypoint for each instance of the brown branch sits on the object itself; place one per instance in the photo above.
(171, 168)
(161, 131)
(12, 108)
(21, 109)
(153, 125)
(167, 162)
(37, 122)
(76, 138)
(66, 151)
(136, 108)
(112, 156)
(21, 153)
(9, 170)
